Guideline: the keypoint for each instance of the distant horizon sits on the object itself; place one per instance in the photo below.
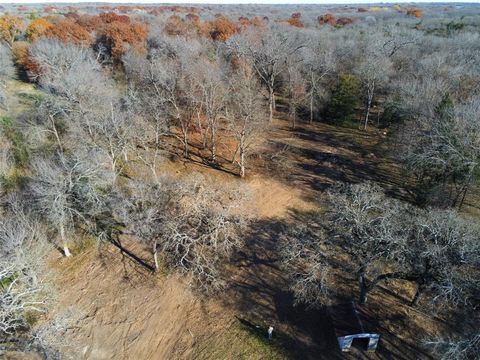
(239, 2)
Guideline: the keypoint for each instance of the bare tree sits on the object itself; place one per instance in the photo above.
(192, 226)
(442, 151)
(163, 80)
(246, 118)
(208, 77)
(49, 338)
(66, 191)
(145, 210)
(387, 239)
(463, 348)
(317, 64)
(368, 227)
(306, 263)
(84, 96)
(373, 70)
(149, 127)
(23, 250)
(296, 91)
(442, 246)
(267, 51)
(16, 299)
(202, 233)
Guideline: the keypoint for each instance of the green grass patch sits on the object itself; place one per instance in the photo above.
(7, 281)
(13, 180)
(18, 145)
(31, 318)
(241, 342)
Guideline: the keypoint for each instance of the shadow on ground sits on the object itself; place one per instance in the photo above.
(260, 296)
(322, 155)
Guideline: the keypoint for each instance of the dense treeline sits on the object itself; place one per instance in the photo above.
(119, 92)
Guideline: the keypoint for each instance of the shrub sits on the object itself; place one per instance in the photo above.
(345, 99)
(10, 28)
(19, 147)
(37, 28)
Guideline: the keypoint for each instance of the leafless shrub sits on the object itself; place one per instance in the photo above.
(23, 251)
(306, 263)
(49, 338)
(194, 227)
(463, 348)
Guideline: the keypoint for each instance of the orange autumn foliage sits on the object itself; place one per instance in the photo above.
(176, 26)
(89, 23)
(327, 19)
(111, 17)
(118, 36)
(124, 9)
(295, 20)
(259, 22)
(20, 52)
(22, 57)
(244, 21)
(344, 21)
(37, 28)
(192, 17)
(116, 32)
(10, 28)
(415, 12)
(68, 30)
(222, 28)
(50, 9)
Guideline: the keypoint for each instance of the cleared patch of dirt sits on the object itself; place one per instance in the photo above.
(128, 313)
(132, 314)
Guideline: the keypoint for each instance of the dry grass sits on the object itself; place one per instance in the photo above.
(132, 314)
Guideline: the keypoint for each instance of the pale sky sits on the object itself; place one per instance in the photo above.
(297, 2)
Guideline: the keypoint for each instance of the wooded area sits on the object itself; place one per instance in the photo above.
(118, 96)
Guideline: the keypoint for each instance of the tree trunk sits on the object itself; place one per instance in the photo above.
(369, 104)
(467, 185)
(242, 156)
(155, 255)
(213, 145)
(203, 132)
(312, 92)
(57, 137)
(66, 250)
(363, 289)
(234, 157)
(311, 109)
(417, 295)
(185, 142)
(271, 100)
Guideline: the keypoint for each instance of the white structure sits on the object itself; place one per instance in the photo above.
(349, 325)
(270, 333)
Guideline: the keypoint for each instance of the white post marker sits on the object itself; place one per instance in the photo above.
(270, 332)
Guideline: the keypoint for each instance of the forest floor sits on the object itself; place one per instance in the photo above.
(128, 313)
